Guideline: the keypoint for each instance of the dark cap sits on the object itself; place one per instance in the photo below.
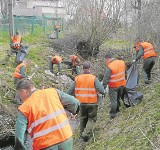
(86, 65)
(108, 56)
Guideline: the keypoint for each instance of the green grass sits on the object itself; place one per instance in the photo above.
(4, 38)
(35, 37)
(125, 131)
(117, 44)
(37, 55)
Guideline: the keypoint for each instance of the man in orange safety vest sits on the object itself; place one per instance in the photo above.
(42, 114)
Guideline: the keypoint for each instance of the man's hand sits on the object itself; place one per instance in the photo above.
(73, 116)
(29, 77)
(58, 73)
(106, 91)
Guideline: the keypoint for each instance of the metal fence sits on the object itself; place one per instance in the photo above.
(50, 22)
(27, 24)
(4, 29)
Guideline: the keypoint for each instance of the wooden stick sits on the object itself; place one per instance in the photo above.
(6, 94)
(148, 139)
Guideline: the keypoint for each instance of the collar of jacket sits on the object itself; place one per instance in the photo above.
(86, 72)
(113, 59)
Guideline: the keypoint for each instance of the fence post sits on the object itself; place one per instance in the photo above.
(11, 21)
(62, 21)
(33, 21)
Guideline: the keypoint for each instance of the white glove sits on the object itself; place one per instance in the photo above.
(106, 90)
(58, 73)
(73, 116)
(29, 77)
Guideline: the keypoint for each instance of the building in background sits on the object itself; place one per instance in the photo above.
(42, 12)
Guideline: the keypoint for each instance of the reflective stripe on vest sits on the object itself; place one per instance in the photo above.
(86, 95)
(88, 89)
(148, 51)
(45, 118)
(121, 79)
(51, 129)
(120, 73)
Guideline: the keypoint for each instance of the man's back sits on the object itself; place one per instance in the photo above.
(46, 118)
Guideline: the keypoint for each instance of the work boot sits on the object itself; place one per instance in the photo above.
(112, 116)
(85, 137)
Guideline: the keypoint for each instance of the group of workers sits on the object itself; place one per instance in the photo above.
(74, 64)
(43, 114)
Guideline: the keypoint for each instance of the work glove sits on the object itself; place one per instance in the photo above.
(58, 73)
(106, 91)
(103, 96)
(133, 61)
(29, 77)
(73, 116)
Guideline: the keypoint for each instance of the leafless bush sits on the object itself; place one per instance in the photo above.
(95, 20)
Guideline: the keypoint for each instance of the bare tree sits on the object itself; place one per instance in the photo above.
(95, 21)
(4, 8)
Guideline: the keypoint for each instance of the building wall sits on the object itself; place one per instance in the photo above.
(47, 3)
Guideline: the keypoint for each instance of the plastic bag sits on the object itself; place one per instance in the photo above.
(22, 54)
(132, 76)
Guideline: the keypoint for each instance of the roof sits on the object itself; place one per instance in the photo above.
(53, 15)
(27, 12)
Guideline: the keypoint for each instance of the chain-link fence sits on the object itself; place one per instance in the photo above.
(4, 29)
(50, 22)
(31, 17)
(27, 24)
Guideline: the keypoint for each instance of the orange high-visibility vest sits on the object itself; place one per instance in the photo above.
(73, 59)
(17, 73)
(138, 44)
(16, 41)
(117, 77)
(148, 50)
(85, 90)
(58, 59)
(47, 121)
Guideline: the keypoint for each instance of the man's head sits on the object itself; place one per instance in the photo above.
(139, 40)
(108, 59)
(54, 60)
(86, 66)
(71, 56)
(24, 88)
(16, 35)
